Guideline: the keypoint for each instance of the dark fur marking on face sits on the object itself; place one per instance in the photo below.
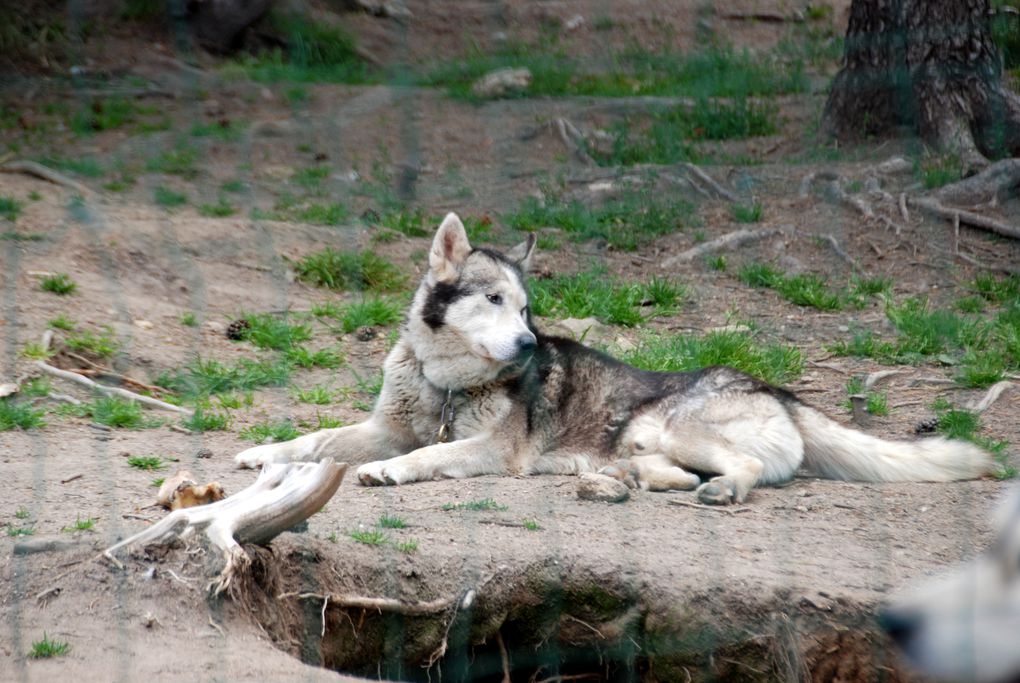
(439, 298)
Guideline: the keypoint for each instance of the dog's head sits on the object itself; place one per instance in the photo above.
(470, 319)
(966, 626)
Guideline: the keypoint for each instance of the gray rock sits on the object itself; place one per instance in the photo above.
(42, 544)
(602, 488)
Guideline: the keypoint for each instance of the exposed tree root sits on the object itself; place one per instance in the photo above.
(731, 240)
(970, 218)
(990, 397)
(411, 609)
(282, 496)
(698, 176)
(996, 183)
(110, 391)
(34, 168)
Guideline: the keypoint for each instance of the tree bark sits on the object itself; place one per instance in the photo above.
(931, 66)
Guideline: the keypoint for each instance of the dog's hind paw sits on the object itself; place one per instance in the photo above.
(719, 491)
(374, 474)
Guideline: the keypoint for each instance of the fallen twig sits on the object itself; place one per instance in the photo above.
(712, 184)
(874, 378)
(34, 168)
(70, 479)
(377, 604)
(970, 218)
(713, 508)
(731, 240)
(110, 391)
(990, 397)
(573, 139)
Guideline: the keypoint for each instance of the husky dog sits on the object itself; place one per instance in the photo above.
(473, 388)
(966, 626)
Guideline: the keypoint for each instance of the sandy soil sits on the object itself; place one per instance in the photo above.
(648, 589)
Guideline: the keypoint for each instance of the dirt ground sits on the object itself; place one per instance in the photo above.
(785, 588)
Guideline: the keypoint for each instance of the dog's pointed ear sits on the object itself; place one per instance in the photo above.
(521, 254)
(449, 250)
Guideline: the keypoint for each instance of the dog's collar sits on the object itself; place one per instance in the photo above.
(446, 417)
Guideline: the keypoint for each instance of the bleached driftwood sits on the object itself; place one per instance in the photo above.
(110, 391)
(283, 495)
(731, 240)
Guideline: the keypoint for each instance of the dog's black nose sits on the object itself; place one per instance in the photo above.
(526, 343)
(899, 625)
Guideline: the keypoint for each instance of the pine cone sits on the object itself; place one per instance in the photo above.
(236, 329)
(927, 426)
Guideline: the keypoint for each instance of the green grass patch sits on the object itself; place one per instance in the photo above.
(62, 322)
(670, 137)
(22, 513)
(291, 209)
(224, 130)
(408, 546)
(595, 294)
(625, 222)
(87, 167)
(18, 531)
(87, 524)
(876, 403)
(201, 378)
(321, 358)
(17, 415)
(46, 648)
(220, 209)
(102, 344)
(744, 213)
(35, 351)
(310, 177)
(372, 311)
(181, 161)
(773, 363)
(10, 208)
(268, 331)
(387, 521)
(167, 198)
(956, 423)
(806, 289)
(531, 525)
(371, 537)
(313, 51)
(204, 420)
(350, 270)
(482, 505)
(148, 463)
(264, 431)
(715, 71)
(104, 114)
(936, 170)
(116, 412)
(60, 284)
(189, 319)
(317, 395)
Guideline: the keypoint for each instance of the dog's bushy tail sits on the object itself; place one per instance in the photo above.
(837, 452)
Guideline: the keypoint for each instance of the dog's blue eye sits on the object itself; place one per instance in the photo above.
(495, 298)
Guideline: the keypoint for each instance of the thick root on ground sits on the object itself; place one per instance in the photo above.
(282, 496)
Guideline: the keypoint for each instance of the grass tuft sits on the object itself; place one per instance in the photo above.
(476, 505)
(350, 270)
(17, 415)
(775, 363)
(46, 648)
(60, 284)
(147, 463)
(262, 432)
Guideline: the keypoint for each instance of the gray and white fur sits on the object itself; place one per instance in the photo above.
(526, 403)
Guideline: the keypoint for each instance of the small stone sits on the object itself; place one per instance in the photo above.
(573, 23)
(601, 488)
(144, 324)
(204, 453)
(502, 82)
(41, 544)
(8, 388)
(894, 165)
(365, 334)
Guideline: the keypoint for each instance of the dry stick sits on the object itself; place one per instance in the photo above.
(832, 242)
(36, 169)
(734, 239)
(573, 139)
(110, 391)
(107, 371)
(874, 378)
(713, 508)
(993, 394)
(985, 266)
(377, 604)
(903, 207)
(70, 479)
(970, 218)
(705, 178)
(994, 182)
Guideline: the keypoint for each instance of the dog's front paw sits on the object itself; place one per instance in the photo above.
(719, 491)
(257, 456)
(376, 474)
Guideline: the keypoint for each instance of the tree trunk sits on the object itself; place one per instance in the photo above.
(929, 65)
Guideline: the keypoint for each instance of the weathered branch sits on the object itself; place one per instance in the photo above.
(997, 182)
(731, 240)
(410, 609)
(34, 168)
(970, 218)
(110, 391)
(282, 496)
